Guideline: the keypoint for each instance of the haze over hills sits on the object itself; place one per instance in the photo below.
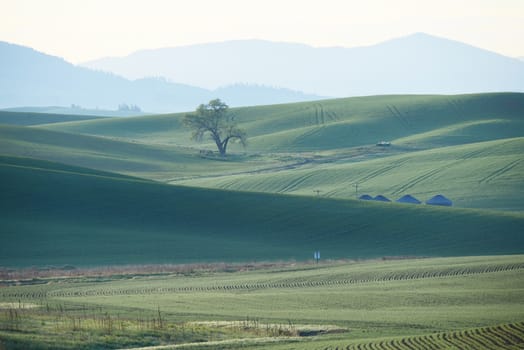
(253, 72)
(418, 63)
(31, 78)
(74, 110)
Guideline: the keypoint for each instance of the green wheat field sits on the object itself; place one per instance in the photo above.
(123, 233)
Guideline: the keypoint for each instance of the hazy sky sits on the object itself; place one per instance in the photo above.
(80, 30)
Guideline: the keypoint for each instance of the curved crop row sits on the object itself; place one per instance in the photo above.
(500, 171)
(382, 170)
(508, 336)
(282, 284)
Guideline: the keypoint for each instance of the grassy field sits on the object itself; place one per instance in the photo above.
(95, 211)
(342, 123)
(79, 216)
(479, 175)
(400, 304)
(152, 161)
(467, 147)
(33, 118)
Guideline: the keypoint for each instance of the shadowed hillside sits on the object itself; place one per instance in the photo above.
(56, 214)
(128, 156)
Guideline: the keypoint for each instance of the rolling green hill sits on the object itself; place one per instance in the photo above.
(54, 214)
(467, 147)
(478, 175)
(79, 111)
(413, 120)
(34, 118)
(153, 161)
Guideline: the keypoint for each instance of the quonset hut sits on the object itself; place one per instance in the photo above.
(365, 197)
(408, 199)
(381, 198)
(439, 200)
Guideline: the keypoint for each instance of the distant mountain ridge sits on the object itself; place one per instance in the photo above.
(32, 78)
(253, 72)
(419, 63)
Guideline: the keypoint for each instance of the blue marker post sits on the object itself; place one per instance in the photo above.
(316, 255)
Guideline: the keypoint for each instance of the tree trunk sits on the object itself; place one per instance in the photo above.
(221, 148)
(224, 147)
(221, 145)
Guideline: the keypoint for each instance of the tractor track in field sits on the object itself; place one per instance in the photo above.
(304, 136)
(429, 174)
(296, 182)
(250, 286)
(264, 170)
(406, 124)
(297, 164)
(415, 181)
(319, 119)
(500, 171)
(323, 117)
(382, 171)
(484, 151)
(501, 337)
(433, 172)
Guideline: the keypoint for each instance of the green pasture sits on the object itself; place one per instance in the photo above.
(34, 118)
(91, 193)
(342, 123)
(152, 161)
(364, 305)
(400, 307)
(479, 175)
(467, 147)
(53, 216)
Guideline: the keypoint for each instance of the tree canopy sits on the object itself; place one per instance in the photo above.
(215, 120)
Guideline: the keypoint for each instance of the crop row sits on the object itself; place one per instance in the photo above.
(508, 336)
(405, 122)
(500, 171)
(281, 284)
(321, 115)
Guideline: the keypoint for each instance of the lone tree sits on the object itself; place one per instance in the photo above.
(214, 119)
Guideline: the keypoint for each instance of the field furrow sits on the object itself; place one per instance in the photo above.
(296, 182)
(235, 287)
(402, 121)
(423, 343)
(516, 330)
(500, 171)
(507, 336)
(501, 336)
(381, 171)
(481, 338)
(485, 339)
(416, 180)
(474, 341)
